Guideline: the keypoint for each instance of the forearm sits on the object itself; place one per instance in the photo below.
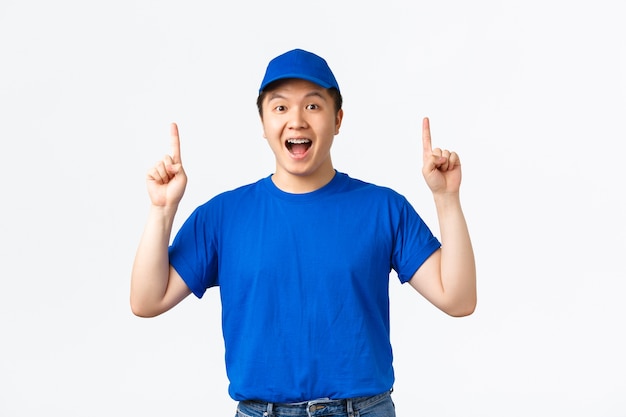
(150, 273)
(458, 269)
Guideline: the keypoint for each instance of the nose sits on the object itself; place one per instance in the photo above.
(297, 119)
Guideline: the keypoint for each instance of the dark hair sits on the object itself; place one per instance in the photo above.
(333, 92)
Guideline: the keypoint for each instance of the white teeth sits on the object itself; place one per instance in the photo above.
(298, 140)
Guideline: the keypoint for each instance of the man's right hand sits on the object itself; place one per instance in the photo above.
(167, 179)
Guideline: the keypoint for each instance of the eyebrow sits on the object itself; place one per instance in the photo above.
(275, 95)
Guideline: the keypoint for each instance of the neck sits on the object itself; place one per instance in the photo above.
(301, 184)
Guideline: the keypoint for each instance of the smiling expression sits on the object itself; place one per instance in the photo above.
(300, 122)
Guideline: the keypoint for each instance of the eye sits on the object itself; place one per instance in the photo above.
(280, 108)
(312, 107)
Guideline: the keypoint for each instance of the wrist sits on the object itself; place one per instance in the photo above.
(447, 198)
(165, 213)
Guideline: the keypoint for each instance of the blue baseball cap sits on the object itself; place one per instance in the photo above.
(300, 64)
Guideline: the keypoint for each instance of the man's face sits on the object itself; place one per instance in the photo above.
(299, 123)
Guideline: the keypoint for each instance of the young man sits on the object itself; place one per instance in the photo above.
(302, 257)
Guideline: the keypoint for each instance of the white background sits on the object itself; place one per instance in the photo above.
(531, 94)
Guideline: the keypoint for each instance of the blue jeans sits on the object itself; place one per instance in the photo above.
(379, 405)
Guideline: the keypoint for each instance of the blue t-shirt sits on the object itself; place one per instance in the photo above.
(304, 284)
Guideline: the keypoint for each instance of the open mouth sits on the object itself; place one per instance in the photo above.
(298, 146)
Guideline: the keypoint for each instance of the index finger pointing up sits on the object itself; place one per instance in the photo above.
(175, 143)
(426, 141)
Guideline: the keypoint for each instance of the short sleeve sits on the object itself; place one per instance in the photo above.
(193, 252)
(414, 243)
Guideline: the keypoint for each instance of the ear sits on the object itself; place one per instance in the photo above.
(263, 128)
(338, 119)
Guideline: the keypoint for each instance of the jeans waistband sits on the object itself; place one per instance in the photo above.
(350, 405)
